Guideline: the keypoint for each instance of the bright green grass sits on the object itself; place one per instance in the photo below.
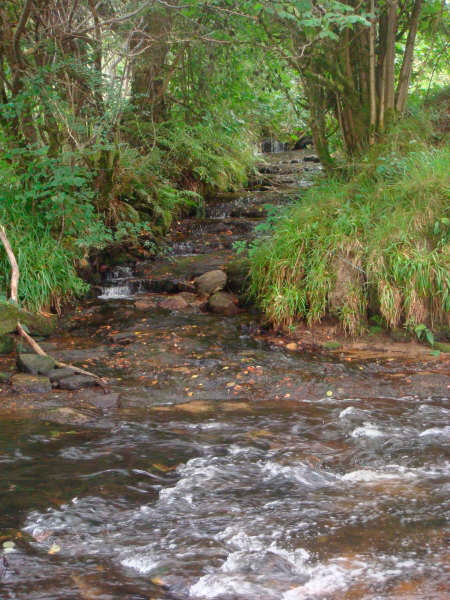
(47, 272)
(377, 243)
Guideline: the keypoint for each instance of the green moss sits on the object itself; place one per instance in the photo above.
(332, 345)
(441, 346)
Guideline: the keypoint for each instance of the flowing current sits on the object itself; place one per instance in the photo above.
(234, 469)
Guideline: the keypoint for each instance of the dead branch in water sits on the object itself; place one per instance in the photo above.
(15, 275)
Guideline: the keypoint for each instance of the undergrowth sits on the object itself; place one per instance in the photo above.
(374, 243)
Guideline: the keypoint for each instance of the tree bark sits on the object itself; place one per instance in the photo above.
(372, 88)
(15, 273)
(390, 55)
(405, 71)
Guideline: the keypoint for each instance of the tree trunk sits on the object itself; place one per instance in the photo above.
(405, 72)
(372, 85)
(390, 56)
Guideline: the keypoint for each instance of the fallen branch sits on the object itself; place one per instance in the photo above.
(15, 274)
(13, 262)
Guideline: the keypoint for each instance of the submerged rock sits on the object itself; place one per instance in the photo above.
(99, 399)
(67, 416)
(144, 304)
(35, 364)
(222, 303)
(30, 384)
(174, 303)
(123, 338)
(75, 382)
(211, 282)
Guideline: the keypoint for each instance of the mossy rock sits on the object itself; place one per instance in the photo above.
(441, 346)
(35, 364)
(332, 345)
(238, 272)
(10, 314)
(6, 344)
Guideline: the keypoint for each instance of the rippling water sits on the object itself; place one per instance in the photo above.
(328, 499)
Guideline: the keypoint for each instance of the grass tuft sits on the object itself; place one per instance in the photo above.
(377, 242)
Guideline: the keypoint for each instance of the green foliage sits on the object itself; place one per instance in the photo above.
(423, 333)
(46, 208)
(377, 242)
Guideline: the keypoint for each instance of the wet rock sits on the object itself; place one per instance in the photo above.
(55, 375)
(99, 399)
(6, 344)
(189, 297)
(35, 364)
(123, 338)
(222, 303)
(211, 282)
(144, 304)
(67, 416)
(30, 384)
(75, 382)
(312, 158)
(174, 303)
(292, 346)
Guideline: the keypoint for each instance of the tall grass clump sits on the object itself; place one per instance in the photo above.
(47, 211)
(374, 243)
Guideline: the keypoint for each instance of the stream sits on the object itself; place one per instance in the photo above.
(233, 469)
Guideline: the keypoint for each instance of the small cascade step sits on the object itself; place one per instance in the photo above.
(196, 245)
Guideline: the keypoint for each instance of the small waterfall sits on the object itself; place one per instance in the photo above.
(120, 282)
(273, 146)
(115, 291)
(117, 273)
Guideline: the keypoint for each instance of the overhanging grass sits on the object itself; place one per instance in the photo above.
(376, 244)
(47, 271)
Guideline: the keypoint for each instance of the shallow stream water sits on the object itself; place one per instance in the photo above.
(233, 470)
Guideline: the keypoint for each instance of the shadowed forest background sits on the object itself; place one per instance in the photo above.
(117, 117)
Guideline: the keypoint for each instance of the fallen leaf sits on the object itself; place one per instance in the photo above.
(54, 549)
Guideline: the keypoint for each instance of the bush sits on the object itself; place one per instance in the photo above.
(46, 208)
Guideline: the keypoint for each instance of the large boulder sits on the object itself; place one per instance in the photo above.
(30, 384)
(10, 314)
(35, 364)
(222, 303)
(211, 282)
